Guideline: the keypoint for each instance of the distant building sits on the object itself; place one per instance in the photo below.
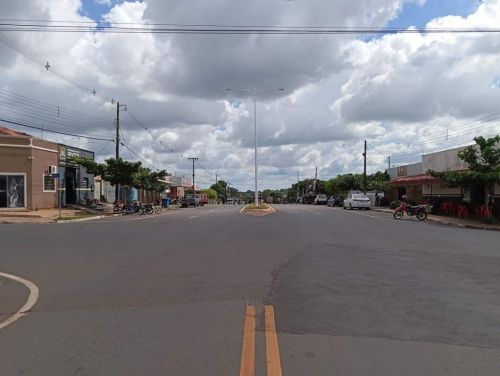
(27, 172)
(413, 181)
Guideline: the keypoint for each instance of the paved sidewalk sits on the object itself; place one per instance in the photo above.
(39, 216)
(451, 221)
(50, 215)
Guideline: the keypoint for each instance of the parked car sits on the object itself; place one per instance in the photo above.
(190, 200)
(321, 199)
(357, 200)
(308, 199)
(336, 201)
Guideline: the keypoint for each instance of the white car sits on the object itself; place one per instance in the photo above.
(357, 200)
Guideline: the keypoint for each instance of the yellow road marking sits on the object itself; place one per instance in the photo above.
(248, 351)
(272, 349)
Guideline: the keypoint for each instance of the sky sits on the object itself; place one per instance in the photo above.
(406, 94)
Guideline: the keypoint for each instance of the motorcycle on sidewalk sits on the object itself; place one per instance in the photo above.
(420, 211)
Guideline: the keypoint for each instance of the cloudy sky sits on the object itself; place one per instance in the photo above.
(407, 94)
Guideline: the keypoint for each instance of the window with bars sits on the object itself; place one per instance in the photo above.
(49, 183)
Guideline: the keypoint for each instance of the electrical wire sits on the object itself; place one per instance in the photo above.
(45, 64)
(53, 131)
(169, 149)
(66, 27)
(60, 110)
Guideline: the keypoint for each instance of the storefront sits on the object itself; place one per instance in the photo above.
(29, 168)
(76, 182)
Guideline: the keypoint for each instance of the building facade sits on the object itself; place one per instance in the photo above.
(27, 173)
(413, 181)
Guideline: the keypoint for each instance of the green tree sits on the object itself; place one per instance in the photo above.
(221, 189)
(124, 173)
(211, 193)
(378, 181)
(484, 167)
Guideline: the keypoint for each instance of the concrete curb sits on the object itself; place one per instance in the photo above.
(446, 223)
(255, 213)
(86, 219)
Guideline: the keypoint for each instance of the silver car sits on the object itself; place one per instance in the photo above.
(357, 200)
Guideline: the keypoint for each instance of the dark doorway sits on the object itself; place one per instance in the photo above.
(401, 192)
(70, 185)
(477, 195)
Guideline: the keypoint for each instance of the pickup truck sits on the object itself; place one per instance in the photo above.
(190, 200)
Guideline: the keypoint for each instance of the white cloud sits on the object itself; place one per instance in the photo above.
(401, 91)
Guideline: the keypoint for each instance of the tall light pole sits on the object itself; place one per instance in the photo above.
(193, 159)
(254, 94)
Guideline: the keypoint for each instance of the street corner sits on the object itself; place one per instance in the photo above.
(18, 296)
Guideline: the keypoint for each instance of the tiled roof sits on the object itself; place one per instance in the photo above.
(10, 132)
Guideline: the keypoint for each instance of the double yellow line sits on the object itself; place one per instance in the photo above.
(272, 349)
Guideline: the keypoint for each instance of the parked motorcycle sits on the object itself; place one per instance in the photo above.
(420, 211)
(136, 207)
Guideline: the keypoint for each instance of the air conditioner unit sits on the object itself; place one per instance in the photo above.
(52, 169)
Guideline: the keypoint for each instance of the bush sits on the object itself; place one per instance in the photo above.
(490, 220)
(394, 204)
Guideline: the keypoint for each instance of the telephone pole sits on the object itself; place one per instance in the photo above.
(296, 201)
(389, 162)
(316, 181)
(193, 159)
(364, 170)
(119, 108)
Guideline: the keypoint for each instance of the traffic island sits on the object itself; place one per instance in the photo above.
(258, 210)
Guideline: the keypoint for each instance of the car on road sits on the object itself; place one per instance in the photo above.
(190, 200)
(357, 201)
(308, 199)
(335, 201)
(321, 199)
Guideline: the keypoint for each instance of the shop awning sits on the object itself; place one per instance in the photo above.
(414, 180)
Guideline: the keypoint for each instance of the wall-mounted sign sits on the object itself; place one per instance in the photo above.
(402, 171)
(65, 153)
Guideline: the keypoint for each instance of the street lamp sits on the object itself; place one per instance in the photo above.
(254, 94)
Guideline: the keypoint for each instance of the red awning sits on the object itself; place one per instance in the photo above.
(414, 180)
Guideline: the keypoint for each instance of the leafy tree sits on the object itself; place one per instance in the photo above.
(211, 193)
(378, 181)
(221, 189)
(124, 173)
(484, 167)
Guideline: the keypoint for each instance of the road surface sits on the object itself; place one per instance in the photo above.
(351, 293)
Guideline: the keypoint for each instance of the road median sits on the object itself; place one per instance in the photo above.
(258, 210)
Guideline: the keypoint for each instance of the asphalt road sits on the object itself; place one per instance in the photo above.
(354, 293)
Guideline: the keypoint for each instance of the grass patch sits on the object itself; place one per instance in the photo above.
(257, 207)
(69, 218)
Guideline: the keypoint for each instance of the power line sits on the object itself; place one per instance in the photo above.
(149, 133)
(21, 115)
(60, 110)
(45, 64)
(67, 27)
(136, 154)
(54, 131)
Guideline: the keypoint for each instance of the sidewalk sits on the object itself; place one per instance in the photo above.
(50, 215)
(450, 221)
(40, 216)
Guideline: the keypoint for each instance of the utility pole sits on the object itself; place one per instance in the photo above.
(364, 170)
(389, 162)
(193, 159)
(316, 181)
(297, 187)
(119, 107)
(216, 181)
